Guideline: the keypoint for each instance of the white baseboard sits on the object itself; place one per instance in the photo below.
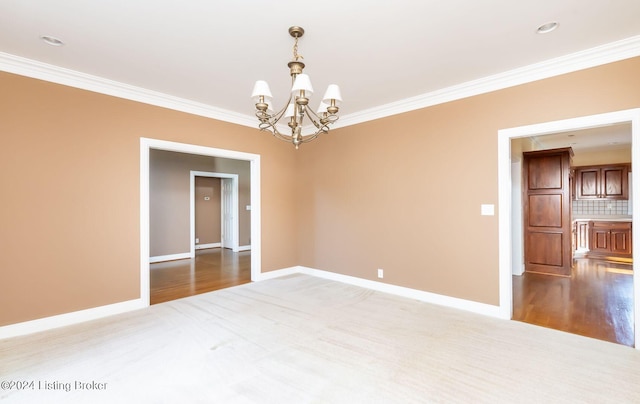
(279, 272)
(442, 300)
(170, 257)
(518, 271)
(61, 320)
(210, 245)
(181, 256)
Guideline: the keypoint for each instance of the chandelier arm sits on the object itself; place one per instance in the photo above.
(270, 121)
(313, 115)
(271, 128)
(280, 136)
(332, 118)
(317, 122)
(308, 138)
(281, 113)
(273, 122)
(275, 118)
(276, 133)
(324, 122)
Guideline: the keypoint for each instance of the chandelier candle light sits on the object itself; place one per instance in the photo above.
(297, 106)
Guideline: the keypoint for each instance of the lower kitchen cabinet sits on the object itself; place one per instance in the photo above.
(610, 239)
(581, 236)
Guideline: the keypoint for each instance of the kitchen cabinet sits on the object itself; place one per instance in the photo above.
(581, 236)
(602, 182)
(610, 238)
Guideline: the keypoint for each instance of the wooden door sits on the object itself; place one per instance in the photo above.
(547, 211)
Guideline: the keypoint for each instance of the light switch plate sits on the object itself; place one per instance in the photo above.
(487, 210)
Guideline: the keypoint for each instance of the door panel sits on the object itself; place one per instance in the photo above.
(620, 242)
(545, 211)
(612, 181)
(545, 172)
(600, 240)
(588, 183)
(546, 248)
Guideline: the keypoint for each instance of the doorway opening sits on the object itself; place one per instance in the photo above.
(146, 145)
(229, 211)
(508, 254)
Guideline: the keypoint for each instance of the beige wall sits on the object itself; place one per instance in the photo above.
(70, 207)
(169, 188)
(401, 193)
(614, 156)
(404, 193)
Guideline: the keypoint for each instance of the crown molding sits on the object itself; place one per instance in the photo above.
(60, 75)
(600, 55)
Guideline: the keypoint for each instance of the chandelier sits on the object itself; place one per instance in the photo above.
(297, 107)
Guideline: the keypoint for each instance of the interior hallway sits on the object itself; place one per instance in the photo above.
(211, 269)
(596, 301)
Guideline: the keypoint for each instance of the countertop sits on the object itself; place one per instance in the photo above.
(604, 218)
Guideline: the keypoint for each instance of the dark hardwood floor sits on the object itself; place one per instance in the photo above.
(211, 269)
(595, 301)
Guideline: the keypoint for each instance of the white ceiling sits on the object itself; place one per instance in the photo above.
(603, 137)
(379, 52)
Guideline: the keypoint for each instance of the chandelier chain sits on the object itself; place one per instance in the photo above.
(296, 56)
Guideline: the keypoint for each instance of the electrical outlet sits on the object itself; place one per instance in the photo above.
(380, 273)
(197, 240)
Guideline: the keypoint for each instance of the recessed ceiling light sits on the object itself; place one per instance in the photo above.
(51, 40)
(546, 28)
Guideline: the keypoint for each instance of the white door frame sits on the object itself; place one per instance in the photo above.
(235, 227)
(504, 195)
(146, 145)
(229, 226)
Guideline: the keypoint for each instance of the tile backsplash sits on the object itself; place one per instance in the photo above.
(604, 207)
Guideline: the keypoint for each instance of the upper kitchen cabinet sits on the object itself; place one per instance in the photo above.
(602, 182)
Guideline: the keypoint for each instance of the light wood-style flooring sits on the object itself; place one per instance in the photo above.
(596, 301)
(211, 269)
